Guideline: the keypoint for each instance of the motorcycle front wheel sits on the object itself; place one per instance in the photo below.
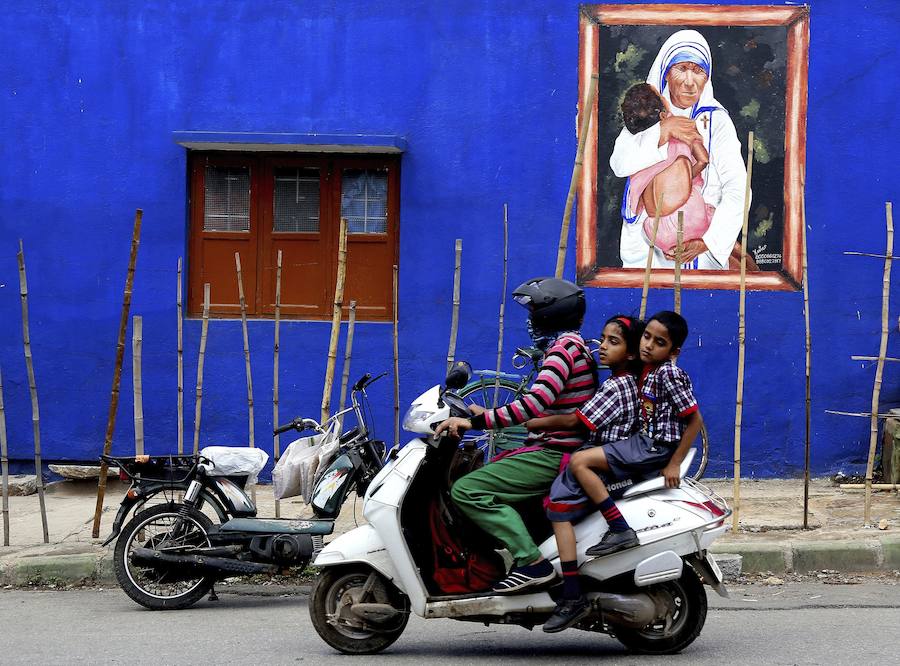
(330, 601)
(170, 528)
(686, 602)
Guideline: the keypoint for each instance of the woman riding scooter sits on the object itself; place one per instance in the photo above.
(566, 381)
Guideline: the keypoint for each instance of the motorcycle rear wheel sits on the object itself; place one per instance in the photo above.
(161, 526)
(688, 605)
(332, 591)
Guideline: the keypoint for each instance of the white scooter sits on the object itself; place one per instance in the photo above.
(650, 597)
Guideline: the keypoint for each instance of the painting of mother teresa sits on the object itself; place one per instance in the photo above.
(676, 104)
(688, 160)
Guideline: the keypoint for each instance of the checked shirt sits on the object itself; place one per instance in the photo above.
(612, 413)
(667, 398)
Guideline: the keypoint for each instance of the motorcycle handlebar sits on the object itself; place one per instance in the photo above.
(297, 424)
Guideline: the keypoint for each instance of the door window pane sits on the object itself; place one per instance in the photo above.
(364, 200)
(227, 203)
(296, 200)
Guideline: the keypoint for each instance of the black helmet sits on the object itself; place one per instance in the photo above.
(555, 305)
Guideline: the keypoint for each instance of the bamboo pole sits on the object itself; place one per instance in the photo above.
(587, 111)
(739, 401)
(117, 371)
(32, 387)
(454, 322)
(678, 250)
(240, 283)
(137, 335)
(335, 320)
(882, 350)
(643, 312)
(204, 328)
(348, 352)
(178, 307)
(4, 467)
(873, 486)
(502, 303)
(806, 441)
(277, 438)
(396, 360)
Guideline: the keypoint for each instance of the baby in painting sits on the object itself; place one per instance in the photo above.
(675, 182)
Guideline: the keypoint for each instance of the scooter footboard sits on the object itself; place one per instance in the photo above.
(359, 546)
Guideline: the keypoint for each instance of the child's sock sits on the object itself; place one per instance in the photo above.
(571, 587)
(613, 516)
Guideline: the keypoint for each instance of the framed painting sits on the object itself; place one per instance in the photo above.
(680, 89)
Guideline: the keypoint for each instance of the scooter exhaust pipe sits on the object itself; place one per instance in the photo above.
(199, 563)
(626, 610)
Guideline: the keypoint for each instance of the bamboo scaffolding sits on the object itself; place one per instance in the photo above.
(873, 486)
(679, 247)
(454, 321)
(587, 111)
(276, 441)
(178, 307)
(867, 415)
(117, 371)
(502, 303)
(243, 302)
(808, 340)
(742, 336)
(335, 320)
(646, 289)
(348, 353)
(396, 360)
(32, 388)
(4, 468)
(889, 359)
(870, 254)
(204, 328)
(137, 336)
(882, 350)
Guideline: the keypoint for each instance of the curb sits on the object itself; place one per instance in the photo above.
(94, 564)
(794, 556)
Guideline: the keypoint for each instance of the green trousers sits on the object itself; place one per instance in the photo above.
(486, 494)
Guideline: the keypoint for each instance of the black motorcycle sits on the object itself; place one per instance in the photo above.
(170, 555)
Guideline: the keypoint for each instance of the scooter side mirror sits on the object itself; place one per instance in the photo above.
(459, 375)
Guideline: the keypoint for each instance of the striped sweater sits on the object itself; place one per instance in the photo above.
(565, 382)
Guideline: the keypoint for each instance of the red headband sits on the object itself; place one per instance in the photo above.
(625, 321)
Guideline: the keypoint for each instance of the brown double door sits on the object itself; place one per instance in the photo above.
(256, 205)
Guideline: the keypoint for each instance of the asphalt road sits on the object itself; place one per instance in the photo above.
(797, 623)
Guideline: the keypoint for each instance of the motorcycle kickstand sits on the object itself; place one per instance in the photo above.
(212, 594)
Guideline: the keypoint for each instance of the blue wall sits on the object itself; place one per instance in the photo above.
(485, 94)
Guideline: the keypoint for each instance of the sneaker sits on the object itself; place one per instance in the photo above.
(567, 613)
(613, 542)
(521, 578)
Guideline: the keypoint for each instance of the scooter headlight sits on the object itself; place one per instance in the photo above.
(417, 419)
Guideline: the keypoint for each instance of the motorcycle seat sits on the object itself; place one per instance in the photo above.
(278, 526)
(658, 482)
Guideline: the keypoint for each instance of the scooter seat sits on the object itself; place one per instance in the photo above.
(659, 482)
(278, 526)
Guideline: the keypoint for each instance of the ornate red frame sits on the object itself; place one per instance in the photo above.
(796, 19)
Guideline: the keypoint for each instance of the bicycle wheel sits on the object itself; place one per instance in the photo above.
(482, 392)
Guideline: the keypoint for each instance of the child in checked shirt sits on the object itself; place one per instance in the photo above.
(611, 415)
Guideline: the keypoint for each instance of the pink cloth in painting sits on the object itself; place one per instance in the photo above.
(697, 213)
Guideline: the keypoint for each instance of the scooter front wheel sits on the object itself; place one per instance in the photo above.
(685, 601)
(331, 602)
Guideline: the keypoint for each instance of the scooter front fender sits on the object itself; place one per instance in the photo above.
(359, 546)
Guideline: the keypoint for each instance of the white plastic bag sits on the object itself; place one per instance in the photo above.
(295, 470)
(235, 461)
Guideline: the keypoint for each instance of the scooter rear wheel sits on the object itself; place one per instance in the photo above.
(168, 526)
(334, 591)
(687, 605)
